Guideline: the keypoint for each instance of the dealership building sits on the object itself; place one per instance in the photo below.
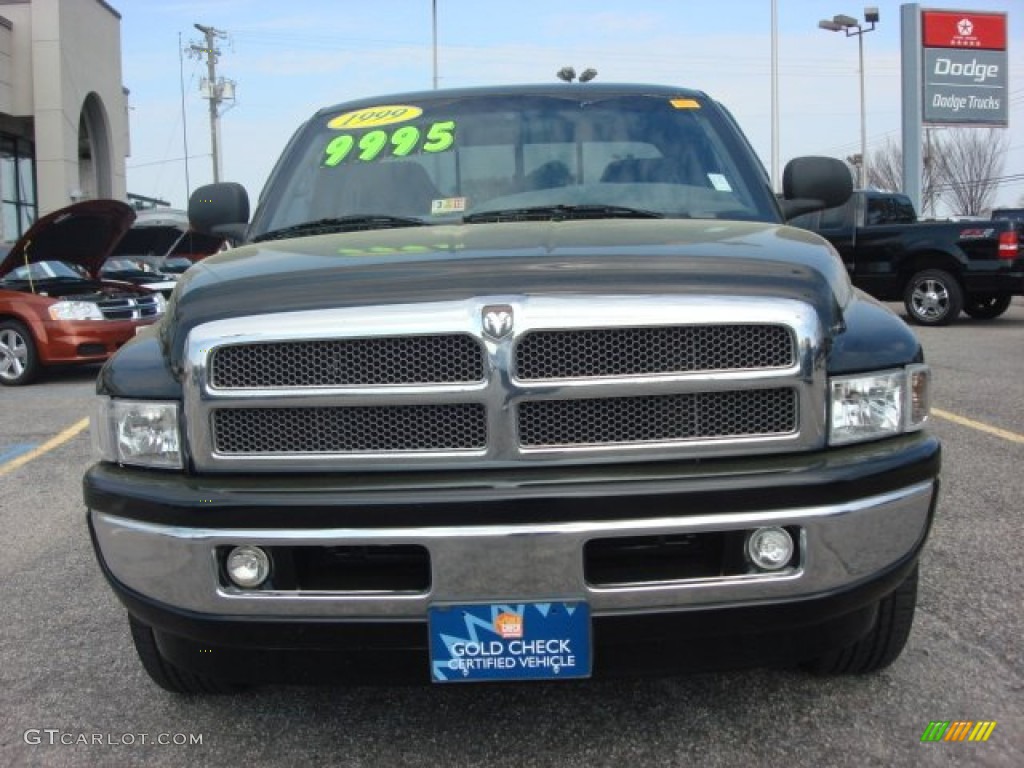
(63, 109)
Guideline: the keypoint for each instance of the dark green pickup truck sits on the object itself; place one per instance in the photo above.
(937, 268)
(521, 383)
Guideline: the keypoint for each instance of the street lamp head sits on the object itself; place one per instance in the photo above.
(845, 21)
(871, 14)
(831, 26)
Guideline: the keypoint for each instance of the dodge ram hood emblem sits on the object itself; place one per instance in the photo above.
(497, 320)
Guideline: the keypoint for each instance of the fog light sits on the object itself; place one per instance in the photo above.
(248, 567)
(770, 548)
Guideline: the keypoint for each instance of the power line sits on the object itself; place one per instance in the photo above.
(995, 181)
(167, 160)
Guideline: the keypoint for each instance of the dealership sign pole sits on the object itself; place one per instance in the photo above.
(954, 74)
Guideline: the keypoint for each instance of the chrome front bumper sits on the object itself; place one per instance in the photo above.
(841, 546)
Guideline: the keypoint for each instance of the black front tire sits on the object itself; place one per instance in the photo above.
(986, 307)
(883, 644)
(167, 675)
(933, 297)
(19, 359)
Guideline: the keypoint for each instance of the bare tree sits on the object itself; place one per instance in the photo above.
(969, 162)
(886, 172)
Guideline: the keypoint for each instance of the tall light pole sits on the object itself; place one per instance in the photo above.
(433, 20)
(850, 25)
(776, 185)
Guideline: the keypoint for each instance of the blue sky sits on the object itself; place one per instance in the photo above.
(290, 58)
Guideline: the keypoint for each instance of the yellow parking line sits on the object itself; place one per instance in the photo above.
(49, 445)
(1013, 437)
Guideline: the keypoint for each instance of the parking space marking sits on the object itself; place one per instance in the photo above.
(1005, 434)
(14, 451)
(54, 442)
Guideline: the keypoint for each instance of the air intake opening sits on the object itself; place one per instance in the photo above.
(677, 557)
(383, 568)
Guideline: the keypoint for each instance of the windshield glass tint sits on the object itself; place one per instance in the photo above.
(441, 159)
(46, 270)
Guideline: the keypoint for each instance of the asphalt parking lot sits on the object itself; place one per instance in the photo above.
(73, 694)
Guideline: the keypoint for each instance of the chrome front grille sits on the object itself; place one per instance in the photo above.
(130, 307)
(436, 359)
(657, 418)
(586, 353)
(576, 380)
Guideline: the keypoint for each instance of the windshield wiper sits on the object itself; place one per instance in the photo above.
(339, 224)
(561, 213)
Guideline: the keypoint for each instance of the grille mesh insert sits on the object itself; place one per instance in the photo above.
(657, 418)
(132, 308)
(576, 354)
(350, 429)
(438, 359)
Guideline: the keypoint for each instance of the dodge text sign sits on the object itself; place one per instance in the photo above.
(965, 68)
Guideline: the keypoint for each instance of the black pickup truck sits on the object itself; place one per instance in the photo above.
(937, 268)
(1015, 214)
(512, 384)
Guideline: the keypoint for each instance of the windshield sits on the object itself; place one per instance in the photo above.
(142, 264)
(175, 264)
(444, 159)
(46, 270)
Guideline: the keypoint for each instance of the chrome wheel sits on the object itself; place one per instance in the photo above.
(933, 297)
(18, 362)
(13, 355)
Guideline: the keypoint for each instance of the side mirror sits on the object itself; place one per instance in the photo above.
(813, 183)
(220, 209)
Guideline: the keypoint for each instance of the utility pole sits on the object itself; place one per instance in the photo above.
(215, 91)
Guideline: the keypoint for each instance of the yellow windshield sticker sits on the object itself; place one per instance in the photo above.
(373, 117)
(447, 205)
(394, 143)
(685, 103)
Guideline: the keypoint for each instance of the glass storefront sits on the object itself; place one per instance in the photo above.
(18, 208)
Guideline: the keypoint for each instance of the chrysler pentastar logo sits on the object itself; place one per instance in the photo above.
(497, 320)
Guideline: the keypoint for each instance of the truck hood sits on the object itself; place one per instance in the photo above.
(452, 262)
(84, 233)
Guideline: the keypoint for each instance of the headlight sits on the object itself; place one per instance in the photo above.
(137, 432)
(161, 304)
(75, 310)
(871, 406)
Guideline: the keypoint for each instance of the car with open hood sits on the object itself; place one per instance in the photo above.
(55, 307)
(157, 249)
